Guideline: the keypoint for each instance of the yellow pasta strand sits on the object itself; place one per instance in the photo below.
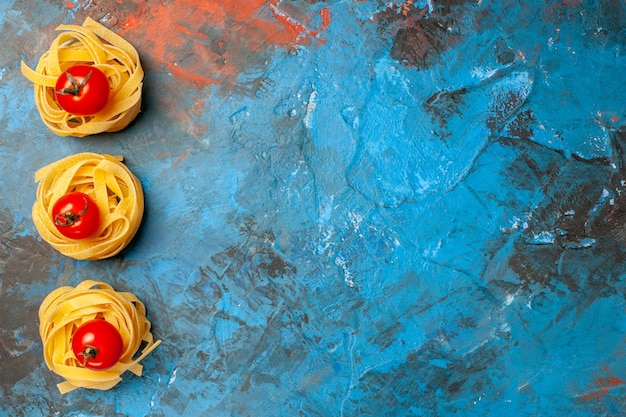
(113, 187)
(67, 308)
(89, 44)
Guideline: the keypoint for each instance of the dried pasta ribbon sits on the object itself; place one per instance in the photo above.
(113, 187)
(67, 308)
(89, 44)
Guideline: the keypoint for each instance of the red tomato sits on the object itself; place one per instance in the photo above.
(82, 90)
(76, 215)
(97, 344)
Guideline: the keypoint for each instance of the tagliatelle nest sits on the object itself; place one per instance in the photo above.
(67, 308)
(113, 187)
(89, 44)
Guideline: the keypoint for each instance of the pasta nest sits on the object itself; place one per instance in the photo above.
(89, 44)
(114, 188)
(67, 308)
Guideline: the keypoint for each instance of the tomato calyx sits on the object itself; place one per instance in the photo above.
(76, 215)
(82, 90)
(68, 218)
(97, 345)
(74, 90)
(90, 352)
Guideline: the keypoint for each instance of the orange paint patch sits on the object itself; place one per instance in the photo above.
(206, 42)
(326, 17)
(406, 7)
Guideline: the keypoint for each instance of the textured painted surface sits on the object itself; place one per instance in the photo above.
(353, 208)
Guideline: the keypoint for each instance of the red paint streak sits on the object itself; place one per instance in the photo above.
(562, 10)
(291, 24)
(186, 31)
(69, 5)
(205, 42)
(602, 386)
(190, 76)
(182, 158)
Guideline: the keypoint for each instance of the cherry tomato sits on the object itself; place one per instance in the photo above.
(76, 215)
(82, 90)
(97, 344)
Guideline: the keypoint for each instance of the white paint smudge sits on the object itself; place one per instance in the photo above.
(355, 220)
(483, 73)
(348, 277)
(172, 377)
(310, 108)
(431, 7)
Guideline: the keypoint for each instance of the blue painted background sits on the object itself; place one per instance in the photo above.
(418, 211)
